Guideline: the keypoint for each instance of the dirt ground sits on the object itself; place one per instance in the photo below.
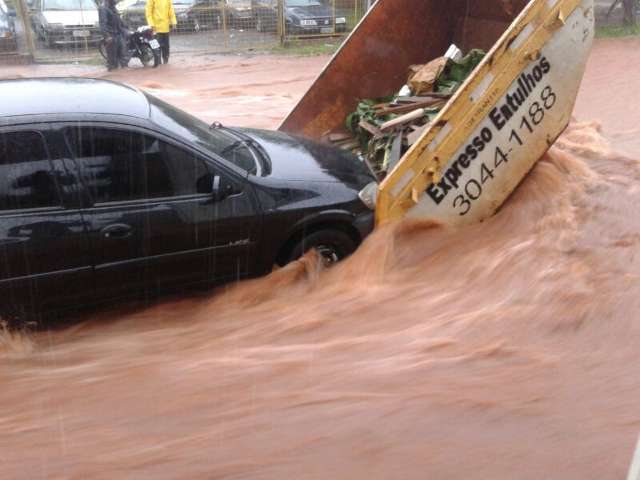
(505, 350)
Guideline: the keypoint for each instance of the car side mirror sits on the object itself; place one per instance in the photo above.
(222, 188)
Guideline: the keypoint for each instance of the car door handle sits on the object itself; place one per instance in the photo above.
(117, 230)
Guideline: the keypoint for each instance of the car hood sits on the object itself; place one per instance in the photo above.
(311, 11)
(71, 17)
(298, 159)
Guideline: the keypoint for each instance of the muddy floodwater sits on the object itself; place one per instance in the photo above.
(507, 350)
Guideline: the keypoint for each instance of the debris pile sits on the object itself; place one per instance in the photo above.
(381, 130)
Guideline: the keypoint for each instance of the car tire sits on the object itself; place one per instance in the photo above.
(17, 317)
(332, 246)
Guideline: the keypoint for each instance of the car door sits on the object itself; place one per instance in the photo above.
(44, 253)
(154, 222)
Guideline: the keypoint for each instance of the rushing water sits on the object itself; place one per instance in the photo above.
(505, 350)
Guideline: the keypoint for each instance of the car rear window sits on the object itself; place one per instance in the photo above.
(26, 178)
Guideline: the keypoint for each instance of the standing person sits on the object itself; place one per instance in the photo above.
(161, 17)
(113, 30)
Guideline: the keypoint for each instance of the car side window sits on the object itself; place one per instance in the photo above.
(121, 165)
(26, 179)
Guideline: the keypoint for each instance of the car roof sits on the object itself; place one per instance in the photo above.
(47, 96)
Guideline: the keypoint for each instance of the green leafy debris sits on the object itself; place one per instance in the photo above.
(376, 148)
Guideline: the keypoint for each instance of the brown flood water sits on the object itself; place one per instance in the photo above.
(504, 350)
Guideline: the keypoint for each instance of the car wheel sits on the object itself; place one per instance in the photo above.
(331, 245)
(17, 317)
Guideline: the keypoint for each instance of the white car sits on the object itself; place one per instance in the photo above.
(7, 30)
(64, 22)
(122, 5)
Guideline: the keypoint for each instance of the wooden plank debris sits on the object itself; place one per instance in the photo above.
(430, 103)
(403, 119)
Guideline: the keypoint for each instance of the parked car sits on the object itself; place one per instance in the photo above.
(107, 192)
(199, 14)
(192, 15)
(302, 17)
(10, 8)
(265, 13)
(240, 14)
(133, 14)
(66, 22)
(7, 30)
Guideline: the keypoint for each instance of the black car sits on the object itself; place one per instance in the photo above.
(239, 13)
(107, 192)
(302, 17)
(312, 17)
(265, 15)
(191, 15)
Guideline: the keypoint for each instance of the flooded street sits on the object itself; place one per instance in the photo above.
(247, 91)
(503, 350)
(609, 91)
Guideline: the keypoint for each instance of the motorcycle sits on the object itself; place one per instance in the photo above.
(142, 44)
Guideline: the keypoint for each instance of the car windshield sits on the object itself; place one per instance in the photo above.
(69, 5)
(196, 131)
(302, 3)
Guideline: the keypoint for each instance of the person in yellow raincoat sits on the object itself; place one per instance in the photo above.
(161, 17)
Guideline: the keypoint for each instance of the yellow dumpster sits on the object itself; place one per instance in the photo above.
(491, 132)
